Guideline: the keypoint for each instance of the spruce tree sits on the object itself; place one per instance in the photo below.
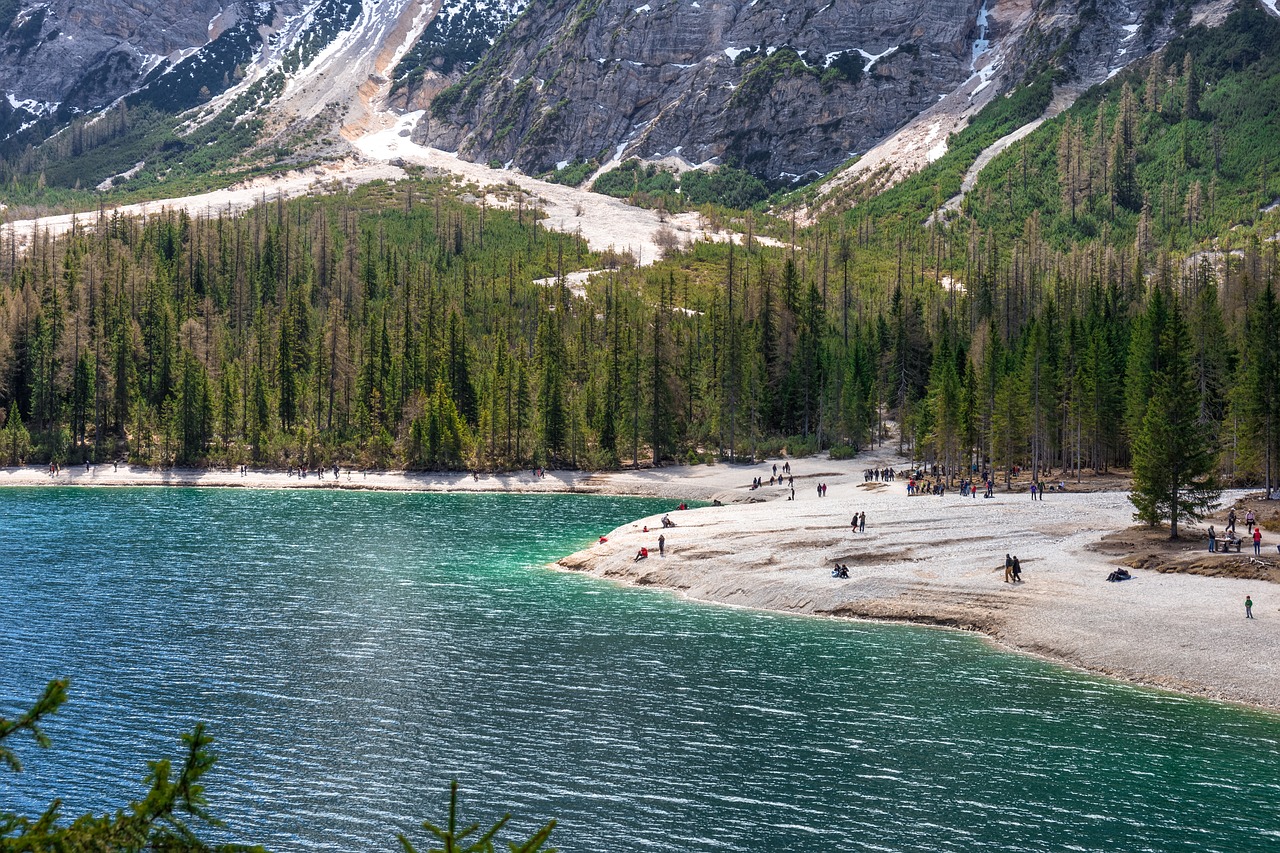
(551, 356)
(1173, 460)
(1260, 381)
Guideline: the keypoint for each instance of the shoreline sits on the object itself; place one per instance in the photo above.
(924, 560)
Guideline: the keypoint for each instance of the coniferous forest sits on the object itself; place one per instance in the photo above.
(1105, 294)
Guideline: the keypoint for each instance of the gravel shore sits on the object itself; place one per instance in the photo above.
(925, 559)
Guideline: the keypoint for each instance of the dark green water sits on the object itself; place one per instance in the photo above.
(353, 652)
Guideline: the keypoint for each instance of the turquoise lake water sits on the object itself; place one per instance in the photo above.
(353, 652)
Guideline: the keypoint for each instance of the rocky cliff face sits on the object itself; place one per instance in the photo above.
(60, 59)
(87, 52)
(784, 88)
(459, 35)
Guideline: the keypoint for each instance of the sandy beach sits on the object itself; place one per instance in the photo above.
(931, 560)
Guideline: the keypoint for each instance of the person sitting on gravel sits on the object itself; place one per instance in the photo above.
(1119, 575)
(642, 554)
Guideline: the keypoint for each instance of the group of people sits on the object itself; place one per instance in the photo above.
(927, 487)
(840, 571)
(1230, 538)
(822, 490)
(970, 487)
(643, 553)
(1038, 489)
(859, 523)
(1012, 570)
(879, 475)
(303, 471)
(758, 482)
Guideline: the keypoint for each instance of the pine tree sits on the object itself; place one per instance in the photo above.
(1191, 89)
(14, 438)
(551, 405)
(82, 395)
(461, 389)
(259, 413)
(944, 404)
(1259, 379)
(1173, 461)
(1144, 360)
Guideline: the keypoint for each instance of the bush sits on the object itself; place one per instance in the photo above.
(573, 174)
(725, 186)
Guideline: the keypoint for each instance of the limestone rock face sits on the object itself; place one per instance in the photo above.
(778, 87)
(85, 53)
(784, 88)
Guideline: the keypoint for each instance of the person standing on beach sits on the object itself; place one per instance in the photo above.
(1257, 540)
(1231, 521)
(1213, 540)
(1248, 607)
(662, 545)
(862, 522)
(1249, 519)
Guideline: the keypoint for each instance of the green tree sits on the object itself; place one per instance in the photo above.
(471, 838)
(194, 411)
(175, 808)
(83, 393)
(1259, 398)
(551, 405)
(14, 438)
(259, 413)
(1173, 460)
(166, 818)
(461, 390)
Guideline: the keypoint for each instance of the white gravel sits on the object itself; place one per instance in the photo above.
(925, 559)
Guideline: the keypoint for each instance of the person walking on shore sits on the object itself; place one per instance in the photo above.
(1008, 569)
(1257, 540)
(1017, 571)
(1231, 521)
(1249, 518)
(1248, 607)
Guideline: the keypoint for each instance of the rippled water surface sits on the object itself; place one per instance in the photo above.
(352, 652)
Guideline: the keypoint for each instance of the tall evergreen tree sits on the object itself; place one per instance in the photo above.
(551, 402)
(1173, 461)
(1260, 381)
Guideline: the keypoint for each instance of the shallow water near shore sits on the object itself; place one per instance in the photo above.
(353, 652)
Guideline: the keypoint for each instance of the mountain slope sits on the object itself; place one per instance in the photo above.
(783, 89)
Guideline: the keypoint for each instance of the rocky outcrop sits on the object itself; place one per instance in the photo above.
(85, 53)
(459, 35)
(783, 88)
